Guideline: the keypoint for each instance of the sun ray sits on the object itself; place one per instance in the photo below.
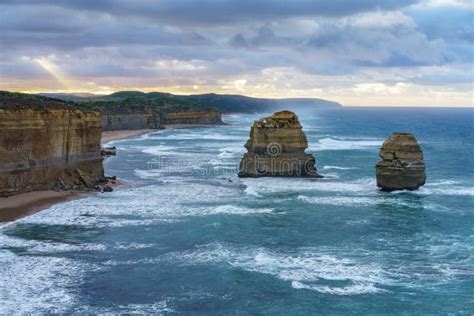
(54, 71)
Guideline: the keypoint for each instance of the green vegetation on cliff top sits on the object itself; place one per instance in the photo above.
(16, 101)
(220, 102)
(136, 101)
(121, 102)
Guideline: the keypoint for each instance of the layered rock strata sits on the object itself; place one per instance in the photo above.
(130, 121)
(402, 166)
(144, 120)
(193, 117)
(277, 148)
(56, 148)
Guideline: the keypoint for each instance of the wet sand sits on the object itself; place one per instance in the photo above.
(24, 204)
(124, 134)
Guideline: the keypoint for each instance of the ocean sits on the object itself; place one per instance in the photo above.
(185, 235)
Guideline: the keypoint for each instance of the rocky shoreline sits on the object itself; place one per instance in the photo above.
(24, 204)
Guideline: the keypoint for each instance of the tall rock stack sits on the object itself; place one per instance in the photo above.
(402, 166)
(277, 148)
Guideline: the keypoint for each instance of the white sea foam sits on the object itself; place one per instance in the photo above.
(307, 268)
(218, 162)
(340, 200)
(155, 308)
(427, 190)
(198, 136)
(152, 205)
(443, 182)
(338, 168)
(231, 152)
(45, 247)
(346, 144)
(232, 209)
(330, 176)
(38, 284)
(452, 191)
(131, 245)
(275, 185)
(148, 174)
(251, 191)
(226, 155)
(355, 289)
(184, 156)
(159, 150)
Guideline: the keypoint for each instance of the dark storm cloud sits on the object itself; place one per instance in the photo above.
(190, 12)
(214, 39)
(36, 27)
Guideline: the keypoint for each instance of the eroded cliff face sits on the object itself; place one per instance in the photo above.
(114, 122)
(49, 149)
(276, 147)
(133, 121)
(193, 117)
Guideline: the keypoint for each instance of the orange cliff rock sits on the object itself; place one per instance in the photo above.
(44, 149)
(207, 117)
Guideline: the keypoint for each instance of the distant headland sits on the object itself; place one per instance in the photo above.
(225, 103)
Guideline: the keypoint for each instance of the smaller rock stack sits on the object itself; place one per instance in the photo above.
(402, 166)
(276, 149)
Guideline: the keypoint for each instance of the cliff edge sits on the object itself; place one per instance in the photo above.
(47, 145)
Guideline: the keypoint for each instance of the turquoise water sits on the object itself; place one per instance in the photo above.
(185, 235)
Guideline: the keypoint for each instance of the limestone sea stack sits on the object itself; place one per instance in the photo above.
(402, 166)
(276, 148)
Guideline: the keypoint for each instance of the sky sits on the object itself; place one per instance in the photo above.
(356, 52)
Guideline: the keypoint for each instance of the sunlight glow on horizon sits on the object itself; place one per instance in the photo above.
(362, 53)
(346, 100)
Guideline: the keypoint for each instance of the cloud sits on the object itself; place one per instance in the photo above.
(174, 64)
(273, 47)
(452, 24)
(209, 12)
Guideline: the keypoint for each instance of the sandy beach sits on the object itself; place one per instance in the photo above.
(25, 204)
(124, 134)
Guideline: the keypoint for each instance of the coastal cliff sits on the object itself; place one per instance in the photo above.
(114, 122)
(47, 145)
(150, 120)
(193, 117)
(137, 110)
